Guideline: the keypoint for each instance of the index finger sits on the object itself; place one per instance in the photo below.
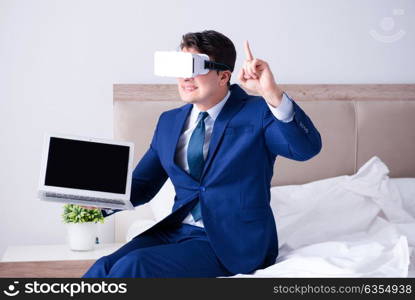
(248, 52)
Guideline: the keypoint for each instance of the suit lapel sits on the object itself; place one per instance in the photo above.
(231, 107)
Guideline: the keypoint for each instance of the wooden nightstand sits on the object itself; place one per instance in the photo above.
(50, 260)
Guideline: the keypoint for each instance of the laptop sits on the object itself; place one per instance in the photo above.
(86, 171)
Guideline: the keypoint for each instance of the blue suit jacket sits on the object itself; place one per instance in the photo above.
(234, 190)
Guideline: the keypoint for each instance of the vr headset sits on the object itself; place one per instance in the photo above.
(184, 64)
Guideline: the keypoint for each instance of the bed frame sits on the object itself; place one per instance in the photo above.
(356, 122)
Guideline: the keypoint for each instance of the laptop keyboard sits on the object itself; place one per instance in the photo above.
(89, 199)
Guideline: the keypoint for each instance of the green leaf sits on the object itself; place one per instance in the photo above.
(76, 214)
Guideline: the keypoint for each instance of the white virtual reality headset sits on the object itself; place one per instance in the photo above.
(184, 64)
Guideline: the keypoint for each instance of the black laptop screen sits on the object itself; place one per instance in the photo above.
(87, 165)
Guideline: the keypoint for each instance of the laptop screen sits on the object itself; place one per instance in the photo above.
(87, 165)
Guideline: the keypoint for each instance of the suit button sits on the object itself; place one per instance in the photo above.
(202, 188)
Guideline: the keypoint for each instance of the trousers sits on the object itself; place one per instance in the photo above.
(179, 251)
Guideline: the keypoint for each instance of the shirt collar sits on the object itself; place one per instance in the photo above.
(213, 111)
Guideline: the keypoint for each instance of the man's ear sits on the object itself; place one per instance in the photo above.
(225, 77)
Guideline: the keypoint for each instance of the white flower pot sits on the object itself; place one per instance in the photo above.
(81, 236)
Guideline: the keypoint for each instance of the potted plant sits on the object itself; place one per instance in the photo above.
(82, 226)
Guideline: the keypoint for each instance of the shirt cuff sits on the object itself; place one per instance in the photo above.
(285, 111)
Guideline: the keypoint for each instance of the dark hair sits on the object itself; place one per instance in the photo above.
(219, 48)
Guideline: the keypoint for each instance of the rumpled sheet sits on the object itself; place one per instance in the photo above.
(346, 226)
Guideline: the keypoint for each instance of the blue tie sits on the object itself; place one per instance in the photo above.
(195, 157)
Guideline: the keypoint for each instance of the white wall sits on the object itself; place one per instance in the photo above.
(59, 59)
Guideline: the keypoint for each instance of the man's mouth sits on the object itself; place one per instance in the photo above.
(189, 88)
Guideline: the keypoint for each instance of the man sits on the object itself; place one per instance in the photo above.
(219, 151)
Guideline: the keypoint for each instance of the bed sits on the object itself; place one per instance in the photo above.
(358, 194)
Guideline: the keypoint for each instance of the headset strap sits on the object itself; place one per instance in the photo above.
(211, 65)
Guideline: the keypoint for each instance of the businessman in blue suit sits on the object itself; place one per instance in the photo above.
(219, 151)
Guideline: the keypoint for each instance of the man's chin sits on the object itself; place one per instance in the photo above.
(188, 99)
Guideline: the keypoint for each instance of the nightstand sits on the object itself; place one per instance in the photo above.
(51, 261)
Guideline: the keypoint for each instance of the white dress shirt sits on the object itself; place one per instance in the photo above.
(283, 112)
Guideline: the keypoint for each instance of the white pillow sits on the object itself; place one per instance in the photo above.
(328, 209)
(138, 227)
